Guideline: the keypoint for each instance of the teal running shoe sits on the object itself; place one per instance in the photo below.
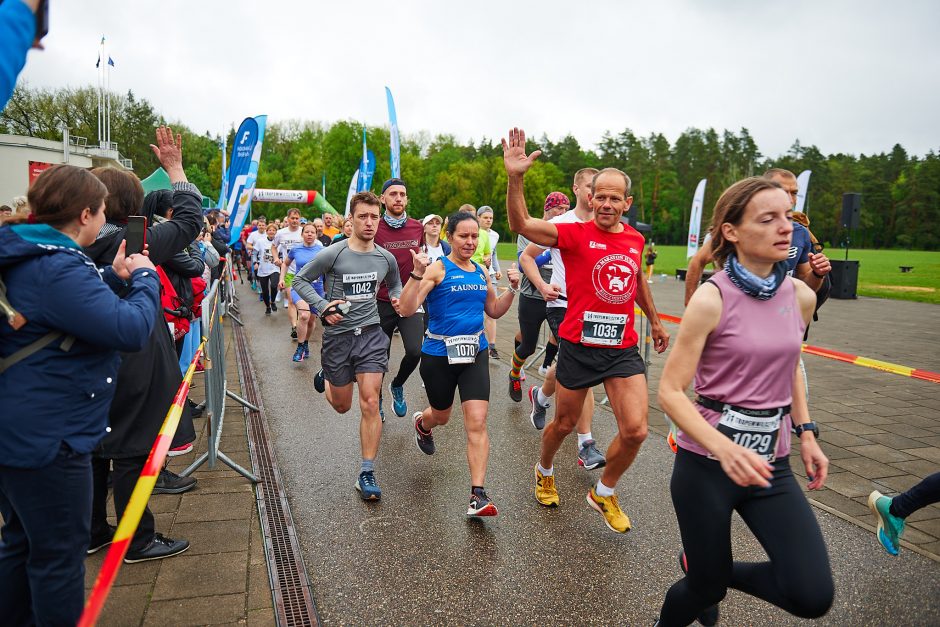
(890, 527)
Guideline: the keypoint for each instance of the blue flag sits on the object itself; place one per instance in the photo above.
(395, 148)
(243, 171)
(366, 166)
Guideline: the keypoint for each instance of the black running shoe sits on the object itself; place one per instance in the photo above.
(159, 547)
(423, 439)
(515, 388)
(480, 505)
(710, 615)
(169, 482)
(319, 382)
(101, 540)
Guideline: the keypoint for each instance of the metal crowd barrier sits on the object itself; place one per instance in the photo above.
(221, 299)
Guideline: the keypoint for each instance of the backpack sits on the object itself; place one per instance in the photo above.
(175, 311)
(17, 320)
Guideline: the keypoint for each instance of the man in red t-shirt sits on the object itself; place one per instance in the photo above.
(597, 341)
(399, 235)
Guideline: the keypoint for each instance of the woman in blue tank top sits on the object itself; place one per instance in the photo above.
(457, 292)
(297, 258)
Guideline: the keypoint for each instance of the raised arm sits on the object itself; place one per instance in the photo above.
(416, 290)
(496, 306)
(166, 239)
(517, 163)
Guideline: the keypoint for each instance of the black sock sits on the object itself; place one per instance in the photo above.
(550, 351)
(515, 344)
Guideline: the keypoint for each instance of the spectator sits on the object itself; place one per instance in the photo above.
(54, 401)
(6, 211)
(147, 380)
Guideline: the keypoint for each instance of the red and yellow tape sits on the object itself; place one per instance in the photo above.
(857, 360)
(138, 501)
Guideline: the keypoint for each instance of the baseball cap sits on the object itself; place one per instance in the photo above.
(391, 182)
(430, 217)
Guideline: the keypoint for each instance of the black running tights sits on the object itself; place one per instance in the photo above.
(269, 288)
(797, 578)
(920, 496)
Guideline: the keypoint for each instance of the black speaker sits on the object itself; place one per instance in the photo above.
(844, 277)
(851, 205)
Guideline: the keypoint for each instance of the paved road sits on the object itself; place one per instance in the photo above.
(413, 558)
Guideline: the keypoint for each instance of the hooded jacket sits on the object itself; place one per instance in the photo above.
(148, 379)
(55, 396)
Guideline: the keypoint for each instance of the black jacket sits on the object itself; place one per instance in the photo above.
(147, 380)
(180, 269)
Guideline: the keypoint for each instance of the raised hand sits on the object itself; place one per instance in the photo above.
(513, 275)
(420, 261)
(514, 157)
(169, 152)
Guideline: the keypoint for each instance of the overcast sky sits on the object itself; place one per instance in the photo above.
(847, 76)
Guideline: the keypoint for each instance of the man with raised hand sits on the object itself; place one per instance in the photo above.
(597, 340)
(400, 235)
(354, 349)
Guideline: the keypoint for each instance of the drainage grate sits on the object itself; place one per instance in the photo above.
(293, 599)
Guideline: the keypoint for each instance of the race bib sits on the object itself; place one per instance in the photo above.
(462, 349)
(360, 287)
(755, 429)
(603, 329)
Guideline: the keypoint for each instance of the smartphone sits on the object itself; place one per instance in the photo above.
(42, 22)
(136, 235)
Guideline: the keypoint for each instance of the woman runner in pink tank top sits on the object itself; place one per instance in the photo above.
(740, 339)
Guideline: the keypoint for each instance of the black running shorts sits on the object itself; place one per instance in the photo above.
(582, 366)
(442, 379)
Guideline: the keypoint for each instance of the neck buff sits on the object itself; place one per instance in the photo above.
(395, 223)
(753, 285)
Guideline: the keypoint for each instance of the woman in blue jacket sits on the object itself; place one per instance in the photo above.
(54, 401)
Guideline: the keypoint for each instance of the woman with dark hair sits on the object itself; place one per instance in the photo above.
(59, 343)
(458, 292)
(740, 340)
(148, 379)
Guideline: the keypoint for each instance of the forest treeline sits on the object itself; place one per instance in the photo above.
(900, 192)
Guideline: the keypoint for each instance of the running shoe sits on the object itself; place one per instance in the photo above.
(100, 540)
(299, 353)
(369, 490)
(423, 439)
(515, 388)
(319, 382)
(672, 435)
(710, 615)
(293, 332)
(480, 505)
(545, 491)
(543, 370)
(273, 306)
(306, 350)
(890, 527)
(398, 400)
(267, 311)
(180, 450)
(494, 354)
(537, 415)
(590, 457)
(609, 508)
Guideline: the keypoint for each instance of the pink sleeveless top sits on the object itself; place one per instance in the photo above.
(750, 358)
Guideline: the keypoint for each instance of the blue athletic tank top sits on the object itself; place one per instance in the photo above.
(455, 306)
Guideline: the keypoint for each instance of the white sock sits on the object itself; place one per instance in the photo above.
(603, 490)
(540, 398)
(545, 472)
(584, 437)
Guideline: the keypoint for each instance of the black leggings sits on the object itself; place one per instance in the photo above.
(531, 317)
(269, 288)
(797, 578)
(918, 497)
(412, 335)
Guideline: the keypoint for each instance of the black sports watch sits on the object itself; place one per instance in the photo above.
(806, 426)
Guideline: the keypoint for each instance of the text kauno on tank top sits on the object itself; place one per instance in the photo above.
(750, 358)
(602, 271)
(455, 306)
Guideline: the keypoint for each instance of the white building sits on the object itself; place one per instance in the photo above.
(23, 158)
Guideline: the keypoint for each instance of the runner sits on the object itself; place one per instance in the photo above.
(890, 513)
(458, 292)
(287, 238)
(251, 242)
(298, 257)
(265, 269)
(400, 234)
(432, 244)
(531, 308)
(734, 443)
(590, 456)
(485, 216)
(345, 234)
(329, 219)
(597, 340)
(354, 347)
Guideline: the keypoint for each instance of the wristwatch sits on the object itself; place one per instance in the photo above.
(806, 426)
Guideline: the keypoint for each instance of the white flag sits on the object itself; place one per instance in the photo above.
(695, 220)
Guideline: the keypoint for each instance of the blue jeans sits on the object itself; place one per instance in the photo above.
(46, 521)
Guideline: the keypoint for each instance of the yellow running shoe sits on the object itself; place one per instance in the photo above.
(608, 507)
(545, 491)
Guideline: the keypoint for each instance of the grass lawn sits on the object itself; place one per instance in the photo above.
(879, 270)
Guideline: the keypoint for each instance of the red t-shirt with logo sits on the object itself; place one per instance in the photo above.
(602, 270)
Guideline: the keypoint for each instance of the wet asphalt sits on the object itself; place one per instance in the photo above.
(414, 558)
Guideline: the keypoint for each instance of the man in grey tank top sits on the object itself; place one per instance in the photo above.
(355, 349)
